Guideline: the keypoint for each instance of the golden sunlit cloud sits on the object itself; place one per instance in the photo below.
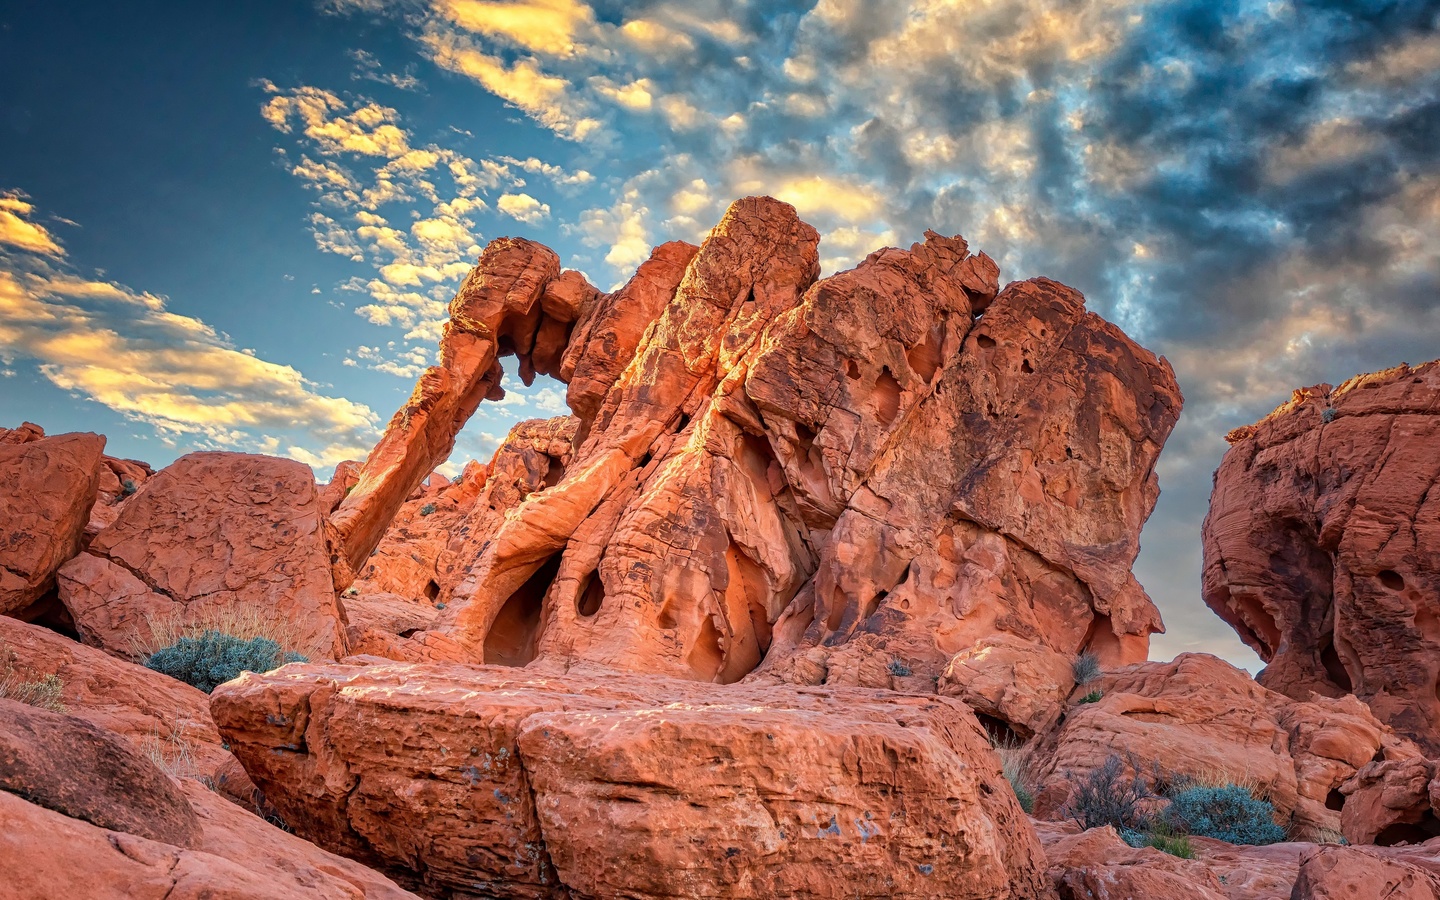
(16, 231)
(544, 98)
(126, 351)
(549, 27)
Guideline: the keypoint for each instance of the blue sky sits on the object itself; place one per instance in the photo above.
(236, 225)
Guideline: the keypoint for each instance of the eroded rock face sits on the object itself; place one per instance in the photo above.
(1320, 545)
(1199, 716)
(48, 486)
(485, 780)
(209, 533)
(848, 481)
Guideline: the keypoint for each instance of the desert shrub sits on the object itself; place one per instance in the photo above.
(1114, 794)
(1086, 667)
(1228, 813)
(1329, 414)
(44, 692)
(1092, 697)
(427, 509)
(1015, 766)
(215, 657)
(1163, 838)
(170, 751)
(240, 621)
(29, 687)
(899, 669)
(127, 487)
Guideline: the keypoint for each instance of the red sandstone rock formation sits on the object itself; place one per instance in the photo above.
(497, 310)
(850, 481)
(1320, 545)
(212, 533)
(1198, 716)
(47, 489)
(633, 786)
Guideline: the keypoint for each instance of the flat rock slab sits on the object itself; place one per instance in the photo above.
(499, 782)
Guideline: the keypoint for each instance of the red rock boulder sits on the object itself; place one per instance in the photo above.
(1320, 545)
(490, 780)
(213, 534)
(1200, 717)
(47, 488)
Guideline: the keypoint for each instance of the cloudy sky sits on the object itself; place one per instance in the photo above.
(236, 225)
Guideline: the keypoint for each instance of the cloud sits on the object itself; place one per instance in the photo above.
(128, 351)
(523, 208)
(546, 98)
(549, 27)
(17, 231)
(368, 129)
(1248, 188)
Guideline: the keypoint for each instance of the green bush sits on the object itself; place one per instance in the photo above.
(1162, 838)
(215, 657)
(1092, 697)
(427, 509)
(1227, 813)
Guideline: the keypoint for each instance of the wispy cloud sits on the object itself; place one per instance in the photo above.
(128, 351)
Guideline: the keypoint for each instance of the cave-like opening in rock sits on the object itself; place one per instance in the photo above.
(515, 634)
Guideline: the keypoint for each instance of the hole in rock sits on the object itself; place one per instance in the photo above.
(590, 599)
(852, 371)
(682, 422)
(887, 397)
(706, 658)
(873, 605)
(432, 591)
(984, 341)
(513, 637)
(1335, 800)
(554, 471)
(1001, 732)
(924, 358)
(667, 618)
(1334, 666)
(1026, 367)
(1409, 832)
(1392, 580)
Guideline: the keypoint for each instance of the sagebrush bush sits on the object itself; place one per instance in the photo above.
(899, 669)
(215, 657)
(1227, 813)
(1113, 794)
(1086, 667)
